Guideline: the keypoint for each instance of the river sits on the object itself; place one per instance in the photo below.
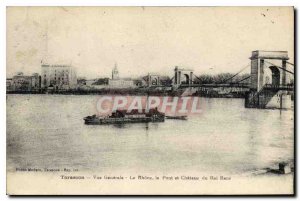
(47, 131)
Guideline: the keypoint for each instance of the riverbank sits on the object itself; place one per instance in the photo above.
(211, 93)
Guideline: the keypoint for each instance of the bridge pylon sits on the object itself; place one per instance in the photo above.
(182, 76)
(269, 81)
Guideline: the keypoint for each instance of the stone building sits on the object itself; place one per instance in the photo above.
(21, 82)
(115, 73)
(121, 83)
(117, 82)
(58, 77)
(9, 84)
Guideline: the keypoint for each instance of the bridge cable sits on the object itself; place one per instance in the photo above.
(279, 67)
(197, 77)
(236, 73)
(243, 79)
(230, 77)
(290, 63)
(171, 80)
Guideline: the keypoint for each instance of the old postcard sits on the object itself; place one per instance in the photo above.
(150, 101)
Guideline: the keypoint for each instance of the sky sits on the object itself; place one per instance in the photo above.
(144, 40)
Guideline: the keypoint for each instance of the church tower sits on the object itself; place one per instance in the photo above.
(115, 73)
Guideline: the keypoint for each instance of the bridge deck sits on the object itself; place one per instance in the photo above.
(279, 87)
(229, 85)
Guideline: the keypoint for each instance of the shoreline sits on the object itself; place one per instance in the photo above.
(134, 93)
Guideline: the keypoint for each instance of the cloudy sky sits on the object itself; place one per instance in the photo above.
(144, 39)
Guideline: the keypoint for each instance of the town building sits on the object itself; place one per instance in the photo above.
(121, 83)
(21, 82)
(115, 73)
(117, 82)
(9, 84)
(58, 77)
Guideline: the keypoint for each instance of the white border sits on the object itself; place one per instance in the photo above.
(5, 3)
(149, 3)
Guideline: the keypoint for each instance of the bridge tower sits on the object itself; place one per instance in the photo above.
(153, 80)
(268, 86)
(183, 76)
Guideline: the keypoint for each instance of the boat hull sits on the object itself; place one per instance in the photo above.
(177, 117)
(98, 121)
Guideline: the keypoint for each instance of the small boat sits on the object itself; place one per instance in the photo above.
(177, 117)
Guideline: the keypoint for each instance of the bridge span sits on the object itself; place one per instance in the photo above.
(269, 83)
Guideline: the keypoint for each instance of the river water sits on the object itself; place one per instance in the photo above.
(47, 131)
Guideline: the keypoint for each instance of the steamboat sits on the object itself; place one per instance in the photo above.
(123, 116)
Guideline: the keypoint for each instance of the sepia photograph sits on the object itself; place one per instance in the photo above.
(148, 100)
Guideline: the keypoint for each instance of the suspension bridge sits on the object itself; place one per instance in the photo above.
(269, 85)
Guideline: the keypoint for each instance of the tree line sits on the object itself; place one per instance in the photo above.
(221, 78)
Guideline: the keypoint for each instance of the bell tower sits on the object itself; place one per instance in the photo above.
(115, 73)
